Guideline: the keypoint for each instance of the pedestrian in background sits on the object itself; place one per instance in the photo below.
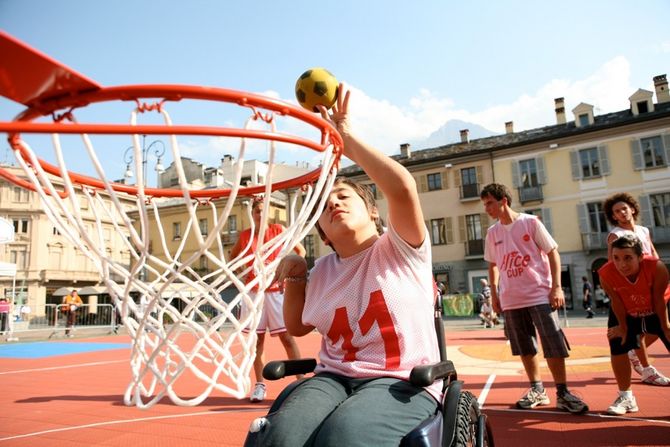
(71, 303)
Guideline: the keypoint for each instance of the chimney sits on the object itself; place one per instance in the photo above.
(661, 84)
(560, 110)
(509, 127)
(405, 151)
(464, 136)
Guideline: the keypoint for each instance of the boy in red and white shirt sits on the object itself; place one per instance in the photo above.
(372, 301)
(525, 276)
(639, 292)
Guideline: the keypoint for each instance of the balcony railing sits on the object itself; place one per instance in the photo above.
(474, 247)
(230, 238)
(594, 241)
(470, 191)
(530, 193)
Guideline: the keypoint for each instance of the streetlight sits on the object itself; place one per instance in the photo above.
(128, 157)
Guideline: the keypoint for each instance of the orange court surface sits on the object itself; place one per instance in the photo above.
(73, 396)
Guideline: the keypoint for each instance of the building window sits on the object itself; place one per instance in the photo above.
(438, 231)
(202, 223)
(20, 226)
(473, 226)
(232, 224)
(55, 231)
(20, 194)
(469, 186)
(597, 220)
(584, 119)
(528, 172)
(660, 209)
(176, 231)
(18, 257)
(473, 233)
(590, 164)
(653, 152)
(434, 182)
(642, 107)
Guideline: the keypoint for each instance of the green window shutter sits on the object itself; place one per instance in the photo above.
(583, 213)
(516, 178)
(603, 156)
(541, 173)
(575, 165)
(546, 220)
(461, 229)
(450, 229)
(646, 211)
(636, 151)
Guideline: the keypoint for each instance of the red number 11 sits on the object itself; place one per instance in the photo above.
(376, 312)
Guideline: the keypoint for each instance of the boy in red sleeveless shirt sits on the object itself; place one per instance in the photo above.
(271, 319)
(638, 289)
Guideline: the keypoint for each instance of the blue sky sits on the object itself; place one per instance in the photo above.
(411, 65)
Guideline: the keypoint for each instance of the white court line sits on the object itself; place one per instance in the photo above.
(129, 421)
(51, 368)
(485, 391)
(593, 415)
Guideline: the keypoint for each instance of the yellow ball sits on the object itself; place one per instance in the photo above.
(316, 86)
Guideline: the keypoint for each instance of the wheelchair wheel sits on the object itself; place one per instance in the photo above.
(468, 419)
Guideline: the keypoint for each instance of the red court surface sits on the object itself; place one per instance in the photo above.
(77, 399)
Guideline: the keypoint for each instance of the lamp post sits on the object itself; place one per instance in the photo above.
(158, 152)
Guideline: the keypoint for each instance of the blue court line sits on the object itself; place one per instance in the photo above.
(39, 350)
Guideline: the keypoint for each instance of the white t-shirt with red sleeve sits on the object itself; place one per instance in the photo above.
(519, 250)
(641, 232)
(375, 310)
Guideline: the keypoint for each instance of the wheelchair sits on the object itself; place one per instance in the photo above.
(458, 421)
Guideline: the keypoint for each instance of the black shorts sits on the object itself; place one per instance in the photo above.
(637, 326)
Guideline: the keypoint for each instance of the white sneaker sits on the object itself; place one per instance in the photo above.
(623, 405)
(651, 376)
(637, 366)
(258, 395)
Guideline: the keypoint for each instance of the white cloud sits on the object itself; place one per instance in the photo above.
(386, 125)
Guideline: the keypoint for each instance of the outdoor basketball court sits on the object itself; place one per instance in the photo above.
(71, 394)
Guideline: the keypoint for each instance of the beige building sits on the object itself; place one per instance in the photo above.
(180, 231)
(45, 259)
(561, 172)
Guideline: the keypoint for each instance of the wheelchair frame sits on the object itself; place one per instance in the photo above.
(458, 421)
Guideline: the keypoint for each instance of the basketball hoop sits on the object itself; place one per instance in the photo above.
(184, 328)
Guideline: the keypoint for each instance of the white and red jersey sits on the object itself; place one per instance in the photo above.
(635, 295)
(375, 310)
(519, 250)
(642, 234)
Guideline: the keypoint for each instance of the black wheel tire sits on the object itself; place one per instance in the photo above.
(467, 421)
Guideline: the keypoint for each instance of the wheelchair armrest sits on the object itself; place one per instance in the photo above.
(425, 375)
(279, 369)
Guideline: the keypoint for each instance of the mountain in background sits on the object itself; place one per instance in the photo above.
(450, 132)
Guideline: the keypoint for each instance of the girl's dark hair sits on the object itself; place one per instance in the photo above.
(365, 193)
(612, 200)
(628, 241)
(497, 191)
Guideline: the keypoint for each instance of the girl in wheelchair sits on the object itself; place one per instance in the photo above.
(372, 302)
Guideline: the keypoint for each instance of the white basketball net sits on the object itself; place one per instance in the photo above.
(180, 325)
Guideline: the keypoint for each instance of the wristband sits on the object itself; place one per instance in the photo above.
(295, 279)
